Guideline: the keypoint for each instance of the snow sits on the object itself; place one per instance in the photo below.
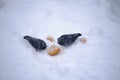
(97, 20)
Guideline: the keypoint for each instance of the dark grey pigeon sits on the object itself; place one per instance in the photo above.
(68, 39)
(38, 44)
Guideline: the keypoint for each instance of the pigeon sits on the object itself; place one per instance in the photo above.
(38, 44)
(68, 39)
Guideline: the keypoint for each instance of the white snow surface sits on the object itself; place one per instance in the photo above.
(97, 20)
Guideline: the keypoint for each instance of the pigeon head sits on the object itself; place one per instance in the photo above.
(27, 37)
(79, 34)
(76, 35)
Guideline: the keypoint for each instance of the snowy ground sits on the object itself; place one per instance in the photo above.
(97, 20)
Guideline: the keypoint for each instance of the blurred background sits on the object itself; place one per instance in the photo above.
(97, 20)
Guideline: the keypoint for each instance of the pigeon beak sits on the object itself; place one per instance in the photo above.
(79, 34)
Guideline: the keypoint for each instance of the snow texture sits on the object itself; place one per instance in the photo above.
(97, 20)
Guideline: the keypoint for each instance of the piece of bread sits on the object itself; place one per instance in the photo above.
(53, 50)
(83, 40)
(50, 38)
